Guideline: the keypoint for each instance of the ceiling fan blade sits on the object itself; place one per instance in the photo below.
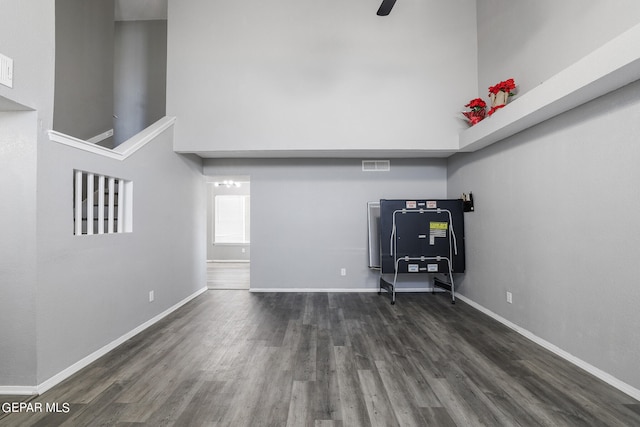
(385, 7)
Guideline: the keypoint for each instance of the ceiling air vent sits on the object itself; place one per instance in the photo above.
(376, 166)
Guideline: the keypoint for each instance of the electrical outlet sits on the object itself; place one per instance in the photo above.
(343, 271)
(151, 296)
(6, 71)
(509, 297)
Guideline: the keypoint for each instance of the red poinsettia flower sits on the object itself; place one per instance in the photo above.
(505, 86)
(477, 104)
(478, 111)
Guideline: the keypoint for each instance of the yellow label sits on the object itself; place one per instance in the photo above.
(438, 225)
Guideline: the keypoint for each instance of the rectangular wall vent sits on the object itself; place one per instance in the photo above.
(6, 71)
(376, 165)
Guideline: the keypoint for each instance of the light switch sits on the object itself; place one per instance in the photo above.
(6, 71)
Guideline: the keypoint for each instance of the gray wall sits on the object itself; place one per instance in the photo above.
(556, 205)
(330, 75)
(309, 217)
(556, 224)
(84, 67)
(140, 76)
(94, 289)
(18, 247)
(27, 36)
(533, 40)
(66, 296)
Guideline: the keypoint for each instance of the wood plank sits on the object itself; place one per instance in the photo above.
(329, 360)
(354, 410)
(299, 407)
(325, 390)
(378, 404)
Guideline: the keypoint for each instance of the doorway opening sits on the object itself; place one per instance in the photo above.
(228, 232)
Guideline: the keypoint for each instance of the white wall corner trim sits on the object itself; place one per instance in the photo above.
(122, 151)
(604, 376)
(66, 373)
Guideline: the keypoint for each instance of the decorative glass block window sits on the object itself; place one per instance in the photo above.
(101, 204)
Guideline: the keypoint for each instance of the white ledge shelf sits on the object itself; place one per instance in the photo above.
(604, 70)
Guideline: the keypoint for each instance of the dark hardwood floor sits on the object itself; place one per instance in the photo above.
(232, 358)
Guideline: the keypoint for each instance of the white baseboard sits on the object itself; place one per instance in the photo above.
(307, 290)
(66, 373)
(338, 290)
(17, 390)
(604, 376)
(222, 261)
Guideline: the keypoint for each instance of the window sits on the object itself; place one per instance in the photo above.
(101, 204)
(231, 219)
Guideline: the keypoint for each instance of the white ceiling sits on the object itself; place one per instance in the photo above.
(140, 10)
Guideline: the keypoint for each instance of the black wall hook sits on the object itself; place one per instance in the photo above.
(467, 202)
